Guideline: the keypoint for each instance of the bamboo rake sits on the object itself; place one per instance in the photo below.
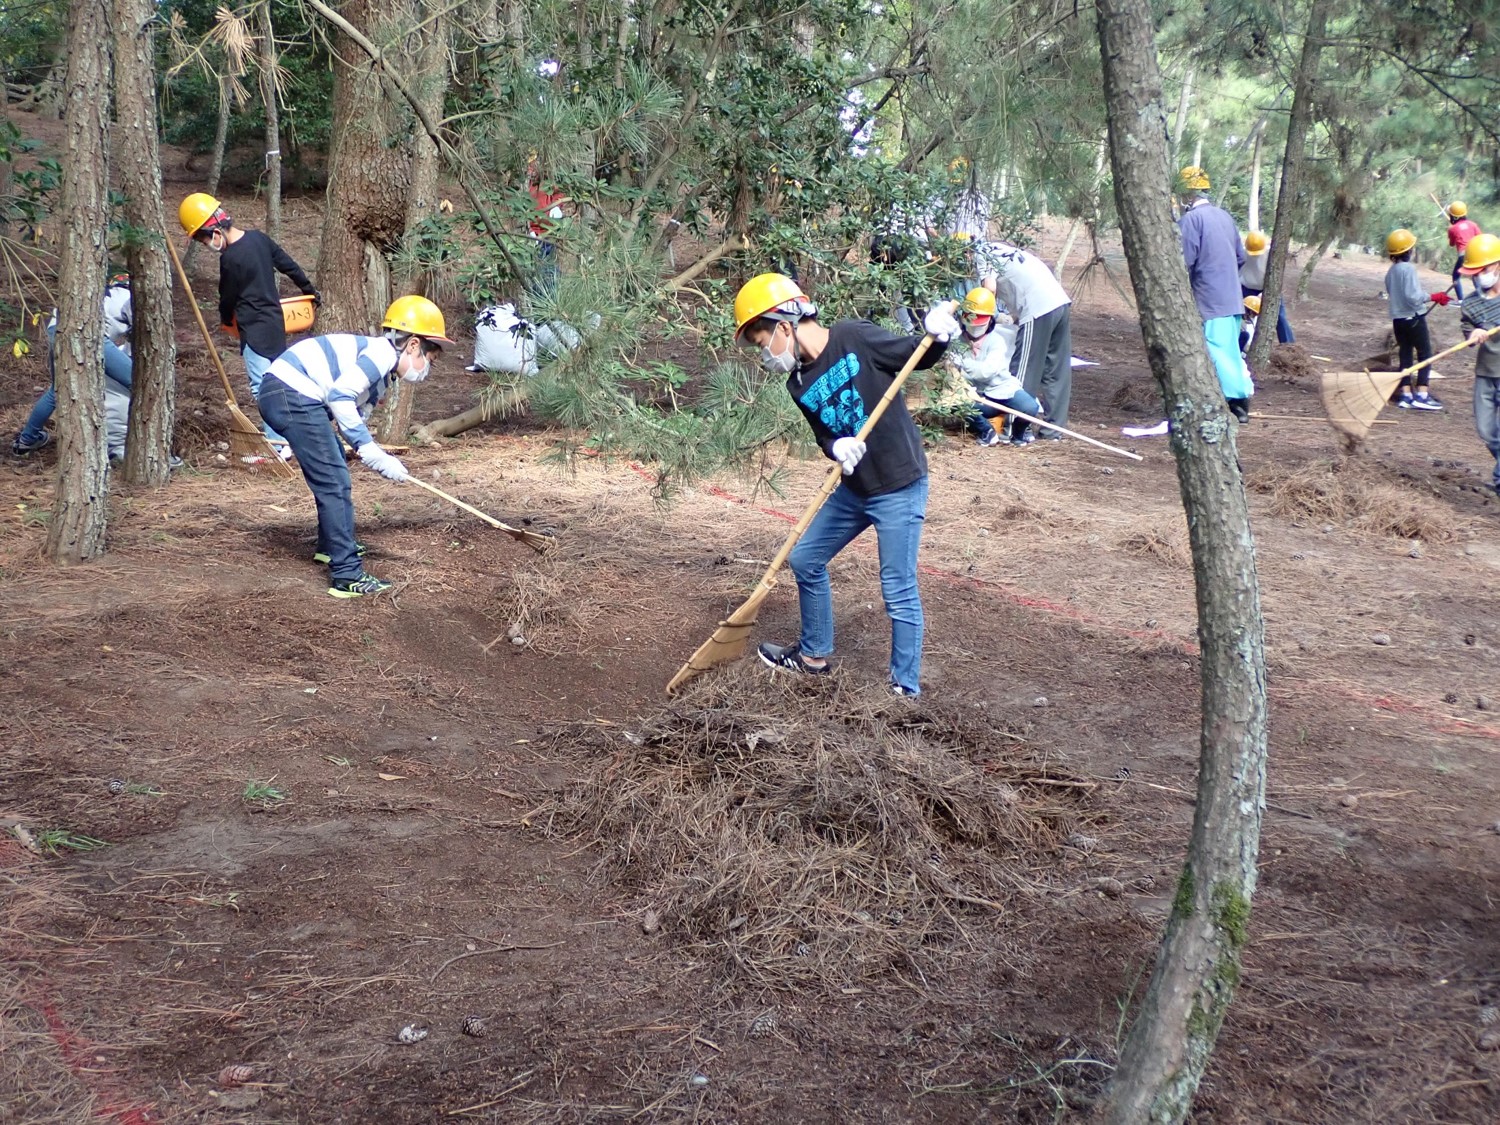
(533, 539)
(245, 437)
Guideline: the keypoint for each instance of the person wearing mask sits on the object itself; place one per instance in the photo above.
(982, 355)
(836, 375)
(343, 378)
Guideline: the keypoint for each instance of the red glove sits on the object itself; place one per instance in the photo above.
(1440, 298)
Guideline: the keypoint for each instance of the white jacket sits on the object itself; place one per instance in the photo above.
(985, 363)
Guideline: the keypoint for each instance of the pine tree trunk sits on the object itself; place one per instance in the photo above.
(216, 163)
(1184, 104)
(1169, 1043)
(81, 510)
(367, 180)
(431, 86)
(1304, 283)
(153, 398)
(1291, 173)
(273, 120)
(1254, 216)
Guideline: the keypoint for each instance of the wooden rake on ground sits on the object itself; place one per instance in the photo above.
(533, 539)
(1352, 399)
(729, 639)
(245, 437)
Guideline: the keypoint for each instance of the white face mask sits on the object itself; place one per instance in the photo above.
(412, 373)
(1488, 279)
(975, 331)
(779, 363)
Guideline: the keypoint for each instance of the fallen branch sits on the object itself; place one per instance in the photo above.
(486, 952)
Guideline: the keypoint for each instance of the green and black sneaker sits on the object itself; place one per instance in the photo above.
(323, 559)
(357, 587)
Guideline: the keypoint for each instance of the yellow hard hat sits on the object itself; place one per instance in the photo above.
(1252, 305)
(768, 294)
(416, 315)
(1399, 241)
(1457, 209)
(1193, 178)
(979, 301)
(1256, 243)
(1483, 250)
(196, 210)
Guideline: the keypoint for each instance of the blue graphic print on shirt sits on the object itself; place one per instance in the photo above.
(835, 400)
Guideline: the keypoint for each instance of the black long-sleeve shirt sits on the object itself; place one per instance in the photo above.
(837, 392)
(247, 291)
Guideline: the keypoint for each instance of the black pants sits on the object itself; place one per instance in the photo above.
(1415, 344)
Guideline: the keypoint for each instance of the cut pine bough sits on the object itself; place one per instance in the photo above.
(729, 639)
(245, 439)
(533, 539)
(1352, 399)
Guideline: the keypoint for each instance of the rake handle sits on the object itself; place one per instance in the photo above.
(527, 537)
(831, 481)
(1063, 430)
(198, 315)
(1444, 354)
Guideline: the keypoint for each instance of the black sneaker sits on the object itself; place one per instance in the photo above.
(357, 587)
(1424, 402)
(20, 448)
(323, 558)
(788, 658)
(1052, 435)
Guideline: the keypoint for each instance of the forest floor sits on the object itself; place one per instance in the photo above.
(761, 901)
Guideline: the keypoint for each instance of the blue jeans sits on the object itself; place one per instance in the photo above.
(1458, 281)
(311, 435)
(898, 518)
(983, 412)
(256, 366)
(1487, 418)
(116, 366)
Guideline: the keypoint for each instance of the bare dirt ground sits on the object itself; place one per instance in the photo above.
(759, 902)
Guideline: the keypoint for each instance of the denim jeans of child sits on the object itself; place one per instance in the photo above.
(897, 518)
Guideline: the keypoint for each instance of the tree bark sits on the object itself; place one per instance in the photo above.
(153, 398)
(1291, 172)
(1304, 282)
(1168, 1046)
(216, 163)
(273, 120)
(1253, 218)
(1184, 104)
(368, 179)
(430, 84)
(81, 510)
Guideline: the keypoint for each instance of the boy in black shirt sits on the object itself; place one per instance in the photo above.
(248, 264)
(836, 376)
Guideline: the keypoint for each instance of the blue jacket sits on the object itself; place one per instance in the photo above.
(1211, 245)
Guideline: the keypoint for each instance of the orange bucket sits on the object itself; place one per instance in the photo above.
(297, 313)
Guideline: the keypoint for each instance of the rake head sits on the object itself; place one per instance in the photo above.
(1353, 399)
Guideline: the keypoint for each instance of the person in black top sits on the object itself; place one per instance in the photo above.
(836, 375)
(248, 264)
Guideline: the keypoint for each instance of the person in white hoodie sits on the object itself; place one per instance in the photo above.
(982, 355)
(1043, 357)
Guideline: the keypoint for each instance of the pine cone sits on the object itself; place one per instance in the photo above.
(116, 786)
(236, 1075)
(473, 1026)
(764, 1025)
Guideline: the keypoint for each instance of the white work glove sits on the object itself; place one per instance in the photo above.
(941, 324)
(847, 451)
(382, 462)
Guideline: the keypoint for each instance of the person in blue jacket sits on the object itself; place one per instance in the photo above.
(1211, 247)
